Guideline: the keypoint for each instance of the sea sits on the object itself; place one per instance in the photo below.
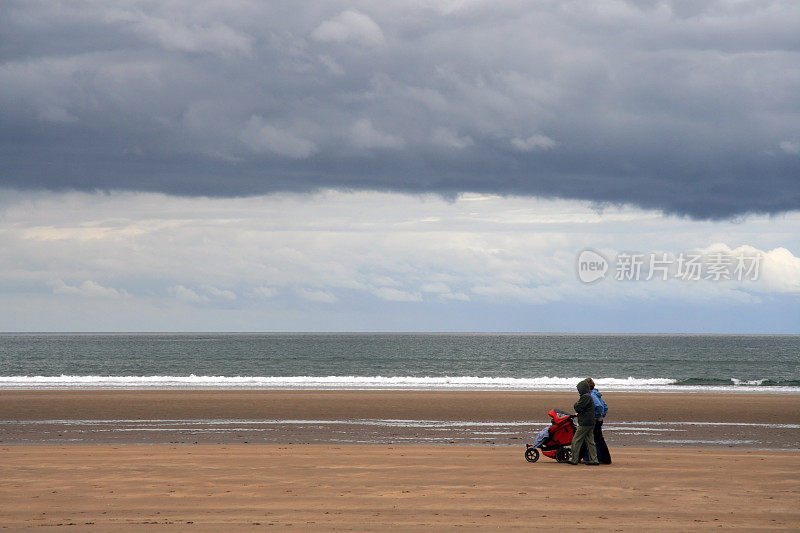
(401, 361)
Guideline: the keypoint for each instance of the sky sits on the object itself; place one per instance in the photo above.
(404, 166)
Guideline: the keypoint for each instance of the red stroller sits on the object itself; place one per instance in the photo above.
(554, 441)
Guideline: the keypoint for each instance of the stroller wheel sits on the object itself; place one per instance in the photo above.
(531, 455)
(563, 455)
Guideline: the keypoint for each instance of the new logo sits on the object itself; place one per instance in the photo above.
(591, 266)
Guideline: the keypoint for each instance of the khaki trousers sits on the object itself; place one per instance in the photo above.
(583, 434)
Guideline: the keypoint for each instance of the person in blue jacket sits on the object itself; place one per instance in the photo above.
(600, 412)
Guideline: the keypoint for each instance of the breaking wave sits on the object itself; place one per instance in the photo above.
(544, 383)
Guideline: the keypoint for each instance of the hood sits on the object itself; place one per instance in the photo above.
(583, 387)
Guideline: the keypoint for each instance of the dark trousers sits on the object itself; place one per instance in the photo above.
(603, 455)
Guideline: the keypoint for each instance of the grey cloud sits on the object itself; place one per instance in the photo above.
(350, 25)
(688, 107)
(364, 135)
(534, 142)
(449, 139)
(264, 137)
(790, 147)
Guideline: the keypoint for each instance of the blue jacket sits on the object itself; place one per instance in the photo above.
(600, 405)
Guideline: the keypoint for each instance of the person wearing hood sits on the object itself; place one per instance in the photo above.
(584, 408)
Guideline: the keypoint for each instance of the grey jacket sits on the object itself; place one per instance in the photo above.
(585, 405)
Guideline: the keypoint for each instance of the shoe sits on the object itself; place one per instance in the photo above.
(571, 463)
(591, 464)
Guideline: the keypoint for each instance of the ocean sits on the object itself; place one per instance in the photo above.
(645, 363)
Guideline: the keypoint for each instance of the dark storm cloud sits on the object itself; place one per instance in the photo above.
(688, 106)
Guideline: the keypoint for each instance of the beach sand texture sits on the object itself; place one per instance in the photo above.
(387, 417)
(368, 488)
(324, 487)
(386, 404)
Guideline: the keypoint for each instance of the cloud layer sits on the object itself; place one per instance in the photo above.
(352, 260)
(687, 107)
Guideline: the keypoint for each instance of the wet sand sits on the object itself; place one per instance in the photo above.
(765, 421)
(390, 488)
(334, 405)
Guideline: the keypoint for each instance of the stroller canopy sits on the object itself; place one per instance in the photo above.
(558, 416)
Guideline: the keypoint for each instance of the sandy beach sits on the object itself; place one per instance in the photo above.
(386, 404)
(747, 421)
(369, 488)
(112, 467)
